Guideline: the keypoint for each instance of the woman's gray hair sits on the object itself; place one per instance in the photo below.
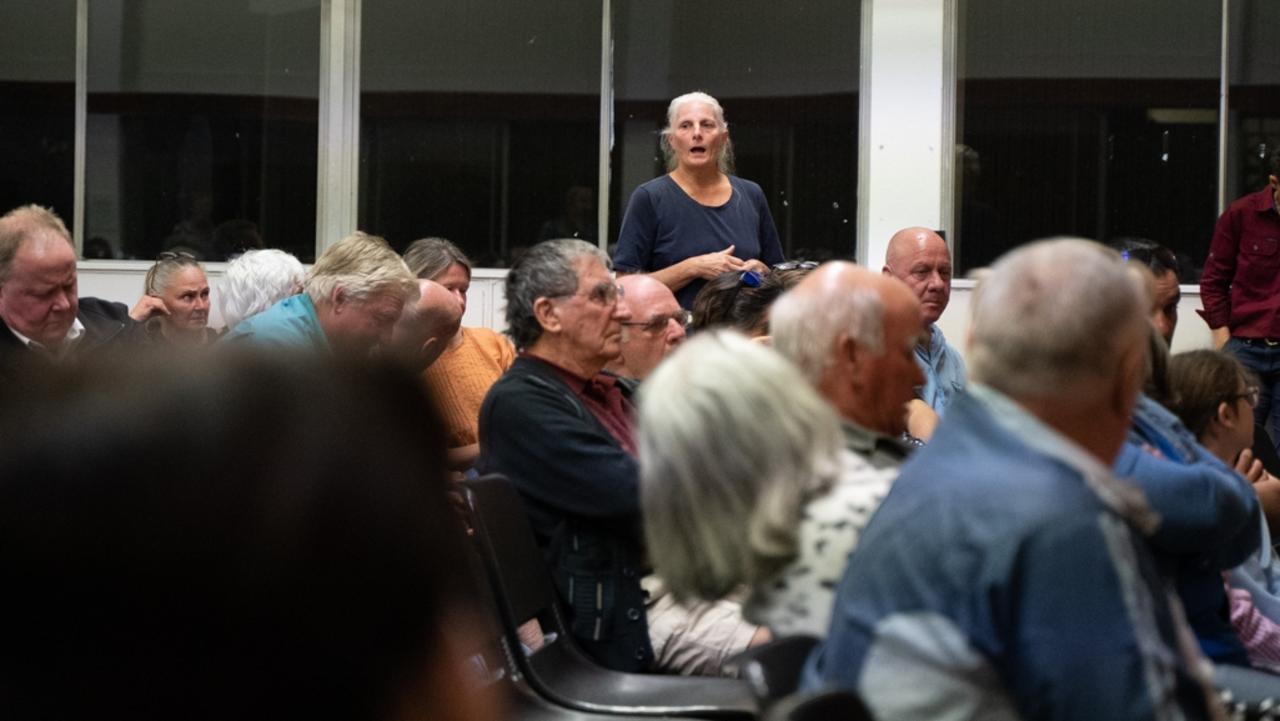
(362, 265)
(167, 265)
(1052, 317)
(733, 444)
(547, 270)
(725, 160)
(257, 280)
(429, 257)
(806, 326)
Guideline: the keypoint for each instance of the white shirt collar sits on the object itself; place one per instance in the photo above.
(74, 334)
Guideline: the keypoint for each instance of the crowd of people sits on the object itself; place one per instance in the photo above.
(713, 450)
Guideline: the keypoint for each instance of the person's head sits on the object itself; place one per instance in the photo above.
(425, 327)
(919, 258)
(1214, 395)
(733, 443)
(696, 135)
(852, 333)
(1164, 290)
(359, 286)
(1060, 327)
(256, 281)
(247, 537)
(714, 301)
(562, 301)
(656, 327)
(179, 281)
(749, 313)
(38, 296)
(440, 260)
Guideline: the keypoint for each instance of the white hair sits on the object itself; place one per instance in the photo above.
(725, 160)
(257, 280)
(806, 326)
(362, 265)
(1054, 317)
(733, 444)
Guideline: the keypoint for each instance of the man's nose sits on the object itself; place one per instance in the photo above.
(62, 302)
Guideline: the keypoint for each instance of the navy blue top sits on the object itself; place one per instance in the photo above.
(664, 226)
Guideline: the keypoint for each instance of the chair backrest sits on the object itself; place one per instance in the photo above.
(773, 669)
(504, 537)
(819, 706)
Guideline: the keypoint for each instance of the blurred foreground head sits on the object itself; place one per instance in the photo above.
(255, 538)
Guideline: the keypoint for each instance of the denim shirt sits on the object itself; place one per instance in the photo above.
(943, 370)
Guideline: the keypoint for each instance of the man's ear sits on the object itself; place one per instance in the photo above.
(338, 299)
(547, 315)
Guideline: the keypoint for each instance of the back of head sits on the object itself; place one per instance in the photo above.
(749, 313)
(1201, 380)
(546, 270)
(245, 538)
(429, 257)
(715, 300)
(425, 328)
(362, 265)
(732, 444)
(22, 224)
(838, 299)
(1054, 319)
(256, 281)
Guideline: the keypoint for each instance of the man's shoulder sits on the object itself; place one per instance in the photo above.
(1255, 202)
(291, 320)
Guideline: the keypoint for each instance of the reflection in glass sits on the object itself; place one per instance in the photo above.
(1093, 119)
(479, 122)
(202, 126)
(1253, 124)
(37, 104)
(787, 77)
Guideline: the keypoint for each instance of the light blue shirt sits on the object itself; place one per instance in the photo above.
(943, 369)
(290, 323)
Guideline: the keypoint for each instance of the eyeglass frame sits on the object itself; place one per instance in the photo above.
(1252, 394)
(659, 323)
(606, 298)
(796, 265)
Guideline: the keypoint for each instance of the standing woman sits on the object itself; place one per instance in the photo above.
(175, 307)
(697, 221)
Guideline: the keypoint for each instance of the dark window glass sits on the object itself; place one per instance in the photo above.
(1096, 119)
(202, 127)
(38, 104)
(786, 75)
(479, 122)
(1253, 125)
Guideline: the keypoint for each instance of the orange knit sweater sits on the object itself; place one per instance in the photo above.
(461, 376)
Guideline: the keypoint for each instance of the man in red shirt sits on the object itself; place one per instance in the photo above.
(1240, 289)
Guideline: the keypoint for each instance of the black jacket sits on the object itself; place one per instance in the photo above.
(581, 490)
(107, 325)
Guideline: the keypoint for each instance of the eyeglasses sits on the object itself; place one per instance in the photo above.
(175, 255)
(604, 293)
(658, 323)
(1252, 394)
(796, 265)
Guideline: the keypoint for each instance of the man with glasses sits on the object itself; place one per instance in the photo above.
(562, 430)
(657, 326)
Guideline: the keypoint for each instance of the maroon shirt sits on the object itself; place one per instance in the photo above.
(604, 399)
(1240, 287)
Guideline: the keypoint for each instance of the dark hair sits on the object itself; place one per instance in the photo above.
(750, 310)
(741, 299)
(264, 538)
(1156, 257)
(714, 300)
(1158, 387)
(1202, 379)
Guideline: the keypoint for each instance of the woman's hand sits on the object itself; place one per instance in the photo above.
(148, 307)
(1250, 467)
(710, 265)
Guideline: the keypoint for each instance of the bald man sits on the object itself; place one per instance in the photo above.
(919, 258)
(424, 328)
(656, 327)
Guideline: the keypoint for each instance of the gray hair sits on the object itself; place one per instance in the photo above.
(1052, 317)
(725, 160)
(257, 280)
(22, 223)
(167, 265)
(733, 444)
(545, 271)
(362, 265)
(806, 326)
(429, 257)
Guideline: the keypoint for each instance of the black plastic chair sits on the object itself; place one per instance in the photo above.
(820, 706)
(560, 671)
(773, 669)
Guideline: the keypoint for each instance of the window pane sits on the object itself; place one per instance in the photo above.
(787, 77)
(202, 127)
(479, 122)
(38, 104)
(1096, 119)
(1253, 128)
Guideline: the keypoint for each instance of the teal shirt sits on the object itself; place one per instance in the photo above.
(290, 323)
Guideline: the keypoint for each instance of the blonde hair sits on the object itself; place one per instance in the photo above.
(22, 223)
(362, 265)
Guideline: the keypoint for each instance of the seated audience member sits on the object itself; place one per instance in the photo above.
(425, 327)
(656, 328)
(44, 319)
(175, 305)
(741, 299)
(471, 361)
(242, 538)
(351, 301)
(256, 281)
(745, 481)
(1006, 575)
(1209, 519)
(1163, 265)
(561, 430)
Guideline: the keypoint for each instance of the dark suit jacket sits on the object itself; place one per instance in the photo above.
(106, 325)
